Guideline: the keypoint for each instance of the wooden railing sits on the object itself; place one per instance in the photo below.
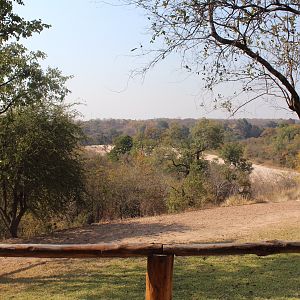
(160, 256)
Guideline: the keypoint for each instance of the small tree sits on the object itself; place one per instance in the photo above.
(122, 145)
(40, 170)
(206, 135)
(233, 155)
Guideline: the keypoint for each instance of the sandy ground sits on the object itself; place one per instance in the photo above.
(261, 172)
(222, 224)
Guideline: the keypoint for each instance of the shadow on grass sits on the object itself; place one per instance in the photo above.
(248, 277)
(79, 279)
(22, 269)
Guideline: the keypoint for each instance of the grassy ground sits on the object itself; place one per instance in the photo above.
(231, 277)
(248, 277)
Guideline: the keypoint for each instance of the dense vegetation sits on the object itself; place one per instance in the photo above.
(165, 172)
(147, 174)
(275, 142)
(276, 146)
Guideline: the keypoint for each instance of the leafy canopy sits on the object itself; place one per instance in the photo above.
(20, 71)
(14, 26)
(39, 168)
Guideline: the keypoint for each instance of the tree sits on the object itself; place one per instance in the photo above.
(206, 135)
(40, 171)
(188, 154)
(176, 135)
(19, 68)
(253, 42)
(24, 80)
(122, 145)
(233, 155)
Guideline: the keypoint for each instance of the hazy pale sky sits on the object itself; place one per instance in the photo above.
(92, 41)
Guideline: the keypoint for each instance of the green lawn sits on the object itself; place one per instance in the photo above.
(247, 277)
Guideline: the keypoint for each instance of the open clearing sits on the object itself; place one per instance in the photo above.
(217, 224)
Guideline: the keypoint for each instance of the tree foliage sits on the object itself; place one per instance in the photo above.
(24, 80)
(182, 153)
(253, 42)
(20, 72)
(39, 168)
(277, 146)
(14, 26)
(194, 180)
(233, 155)
(125, 188)
(122, 145)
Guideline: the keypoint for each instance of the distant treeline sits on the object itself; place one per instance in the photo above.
(104, 131)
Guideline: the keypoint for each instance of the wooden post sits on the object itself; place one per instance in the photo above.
(159, 277)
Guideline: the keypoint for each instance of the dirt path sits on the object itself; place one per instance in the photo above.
(217, 224)
(262, 172)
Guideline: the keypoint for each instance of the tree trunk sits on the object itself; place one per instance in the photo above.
(13, 228)
(17, 216)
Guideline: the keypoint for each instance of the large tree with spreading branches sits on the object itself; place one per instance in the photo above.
(255, 43)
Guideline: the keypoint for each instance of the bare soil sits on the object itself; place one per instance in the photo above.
(262, 172)
(222, 224)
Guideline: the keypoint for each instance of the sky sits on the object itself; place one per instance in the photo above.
(92, 41)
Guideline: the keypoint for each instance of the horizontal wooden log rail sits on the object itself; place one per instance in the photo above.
(160, 256)
(79, 250)
(136, 250)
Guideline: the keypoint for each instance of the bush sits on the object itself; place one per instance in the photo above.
(131, 187)
(209, 186)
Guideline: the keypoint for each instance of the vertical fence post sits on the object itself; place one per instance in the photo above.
(159, 277)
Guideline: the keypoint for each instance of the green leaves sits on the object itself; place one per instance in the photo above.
(40, 169)
(14, 26)
(20, 72)
(207, 135)
(122, 145)
(23, 81)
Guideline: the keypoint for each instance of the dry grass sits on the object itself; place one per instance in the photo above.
(237, 200)
(284, 188)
